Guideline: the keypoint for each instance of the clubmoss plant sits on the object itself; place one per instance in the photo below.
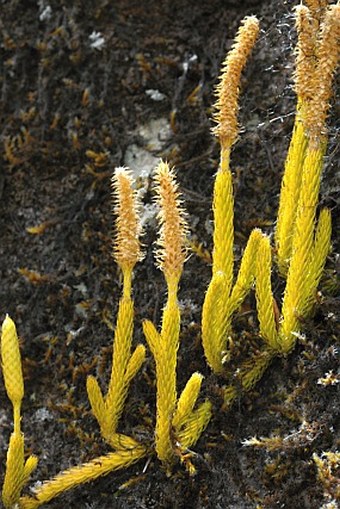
(18, 470)
(108, 410)
(302, 242)
(127, 252)
(178, 425)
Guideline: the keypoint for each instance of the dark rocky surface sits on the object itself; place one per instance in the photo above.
(61, 97)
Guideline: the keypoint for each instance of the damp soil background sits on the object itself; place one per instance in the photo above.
(70, 110)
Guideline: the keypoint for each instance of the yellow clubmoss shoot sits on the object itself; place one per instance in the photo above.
(17, 471)
(81, 474)
(11, 367)
(170, 256)
(317, 56)
(304, 78)
(297, 288)
(316, 60)
(226, 130)
(175, 428)
(215, 313)
(289, 196)
(126, 252)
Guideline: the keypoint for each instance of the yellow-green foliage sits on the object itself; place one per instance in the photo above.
(127, 252)
(216, 314)
(176, 422)
(81, 474)
(302, 243)
(11, 367)
(17, 470)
